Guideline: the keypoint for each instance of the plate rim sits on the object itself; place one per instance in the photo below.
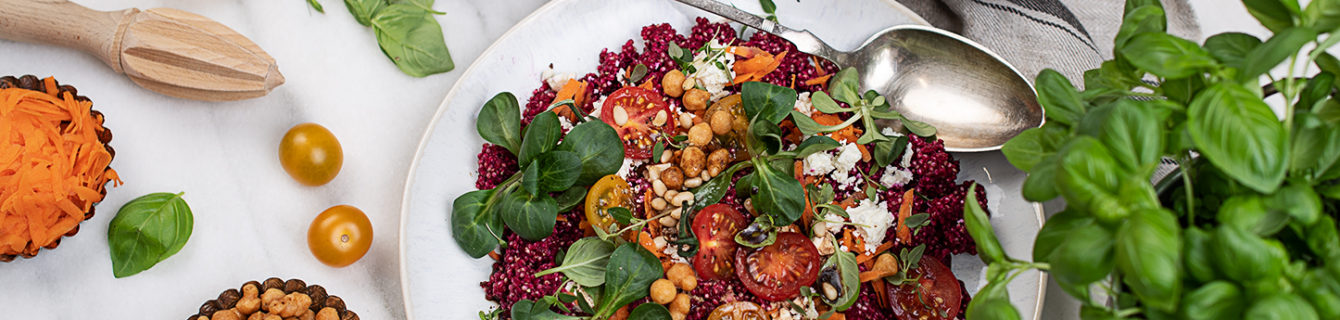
(442, 108)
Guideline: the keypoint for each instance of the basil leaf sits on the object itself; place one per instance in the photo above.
(845, 86)
(1146, 18)
(425, 5)
(1133, 132)
(1040, 185)
(1284, 44)
(1023, 151)
(1273, 14)
(650, 311)
(1055, 231)
(1059, 98)
(815, 144)
(1231, 48)
(767, 101)
(1085, 256)
(1215, 300)
(1313, 150)
(540, 136)
(531, 216)
(364, 10)
(473, 223)
(1166, 55)
(585, 262)
(1196, 255)
(1238, 133)
(1280, 307)
(992, 302)
(780, 196)
(499, 122)
(316, 6)
(148, 230)
(1248, 212)
(628, 277)
(1087, 175)
(598, 147)
(850, 276)
(769, 8)
(571, 198)
(530, 179)
(1245, 257)
(412, 39)
(1149, 249)
(979, 227)
(558, 170)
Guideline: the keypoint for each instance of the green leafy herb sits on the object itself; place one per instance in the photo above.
(540, 136)
(628, 277)
(364, 10)
(316, 6)
(499, 122)
(570, 198)
(530, 310)
(530, 216)
(1239, 134)
(148, 230)
(585, 262)
(599, 148)
(639, 71)
(474, 225)
(767, 101)
(850, 276)
(412, 39)
(979, 227)
(650, 311)
(770, 9)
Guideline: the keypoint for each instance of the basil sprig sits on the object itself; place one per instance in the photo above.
(148, 230)
(1244, 228)
(525, 202)
(407, 33)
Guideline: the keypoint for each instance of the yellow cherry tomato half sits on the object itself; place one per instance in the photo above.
(311, 154)
(610, 191)
(340, 236)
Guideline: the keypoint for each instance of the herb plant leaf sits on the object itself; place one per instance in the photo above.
(364, 10)
(148, 230)
(540, 136)
(571, 198)
(1231, 48)
(413, 40)
(1166, 55)
(767, 101)
(979, 227)
(628, 277)
(650, 311)
(1239, 134)
(1059, 98)
(499, 122)
(598, 147)
(778, 195)
(531, 216)
(585, 262)
(1275, 50)
(558, 170)
(1149, 248)
(473, 223)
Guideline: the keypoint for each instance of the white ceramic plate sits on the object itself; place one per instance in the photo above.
(440, 281)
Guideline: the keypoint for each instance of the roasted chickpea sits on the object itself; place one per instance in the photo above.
(673, 178)
(692, 161)
(271, 296)
(662, 291)
(700, 134)
(672, 83)
(717, 161)
(327, 313)
(681, 304)
(307, 314)
(721, 122)
(230, 314)
(682, 275)
(696, 99)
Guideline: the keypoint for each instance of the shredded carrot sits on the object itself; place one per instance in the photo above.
(868, 256)
(587, 231)
(865, 153)
(758, 64)
(53, 167)
(837, 316)
(561, 218)
(875, 275)
(573, 89)
(905, 211)
(494, 255)
(848, 134)
(818, 80)
(881, 296)
(644, 239)
(621, 314)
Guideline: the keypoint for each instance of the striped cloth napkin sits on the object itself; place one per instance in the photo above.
(1070, 36)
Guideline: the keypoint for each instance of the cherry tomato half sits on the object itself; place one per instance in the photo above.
(739, 310)
(311, 154)
(776, 272)
(643, 108)
(715, 227)
(608, 192)
(935, 296)
(340, 236)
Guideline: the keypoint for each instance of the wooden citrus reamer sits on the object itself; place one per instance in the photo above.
(169, 51)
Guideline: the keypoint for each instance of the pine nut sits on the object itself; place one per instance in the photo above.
(693, 183)
(658, 204)
(620, 116)
(658, 187)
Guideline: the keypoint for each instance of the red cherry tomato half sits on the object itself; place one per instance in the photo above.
(646, 117)
(935, 296)
(776, 272)
(715, 227)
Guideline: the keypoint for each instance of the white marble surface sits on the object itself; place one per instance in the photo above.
(251, 218)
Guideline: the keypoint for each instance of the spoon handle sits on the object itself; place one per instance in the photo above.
(66, 24)
(804, 40)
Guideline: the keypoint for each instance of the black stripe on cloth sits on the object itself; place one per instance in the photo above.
(1044, 22)
(1057, 9)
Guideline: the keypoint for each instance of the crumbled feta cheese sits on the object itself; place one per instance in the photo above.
(627, 167)
(804, 105)
(848, 155)
(889, 132)
(874, 218)
(907, 157)
(556, 80)
(818, 164)
(565, 124)
(708, 69)
(595, 107)
(895, 177)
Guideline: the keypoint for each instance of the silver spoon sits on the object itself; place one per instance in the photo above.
(974, 98)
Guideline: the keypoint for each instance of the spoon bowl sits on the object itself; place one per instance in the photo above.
(975, 99)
